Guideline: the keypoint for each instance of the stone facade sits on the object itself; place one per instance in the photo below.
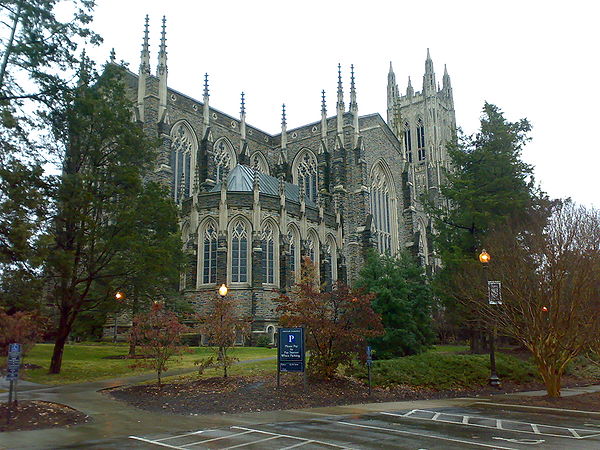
(252, 203)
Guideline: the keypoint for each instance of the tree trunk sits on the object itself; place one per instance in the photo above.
(224, 361)
(134, 311)
(64, 328)
(551, 379)
(9, 44)
(158, 373)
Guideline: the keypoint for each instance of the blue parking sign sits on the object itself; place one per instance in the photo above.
(290, 350)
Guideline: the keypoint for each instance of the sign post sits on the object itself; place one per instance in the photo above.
(291, 354)
(369, 363)
(12, 375)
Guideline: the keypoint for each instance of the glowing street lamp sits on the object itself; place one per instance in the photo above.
(118, 296)
(484, 258)
(223, 290)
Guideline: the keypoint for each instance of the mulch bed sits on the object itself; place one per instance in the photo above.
(32, 415)
(581, 402)
(260, 393)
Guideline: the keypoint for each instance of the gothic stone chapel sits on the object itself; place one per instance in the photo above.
(252, 204)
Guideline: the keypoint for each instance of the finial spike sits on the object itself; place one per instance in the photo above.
(283, 121)
(206, 94)
(243, 106)
(323, 104)
(339, 77)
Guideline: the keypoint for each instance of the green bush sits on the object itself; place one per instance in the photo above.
(446, 371)
(263, 341)
(191, 339)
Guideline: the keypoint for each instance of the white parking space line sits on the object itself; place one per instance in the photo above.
(505, 425)
(430, 436)
(299, 444)
(290, 437)
(182, 435)
(217, 439)
(254, 442)
(149, 441)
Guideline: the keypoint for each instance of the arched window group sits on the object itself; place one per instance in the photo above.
(259, 162)
(269, 255)
(224, 159)
(209, 254)
(183, 147)
(381, 209)
(239, 252)
(407, 143)
(305, 173)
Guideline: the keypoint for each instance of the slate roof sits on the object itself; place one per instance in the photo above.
(241, 179)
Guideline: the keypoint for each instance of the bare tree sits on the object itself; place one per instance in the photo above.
(550, 286)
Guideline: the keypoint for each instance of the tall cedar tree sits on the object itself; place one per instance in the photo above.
(36, 67)
(221, 324)
(550, 286)
(98, 197)
(488, 186)
(404, 299)
(337, 323)
(158, 332)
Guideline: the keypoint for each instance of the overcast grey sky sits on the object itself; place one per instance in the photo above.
(533, 58)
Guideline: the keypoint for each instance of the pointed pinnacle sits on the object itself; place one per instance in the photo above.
(243, 107)
(391, 68)
(428, 56)
(163, 35)
(323, 105)
(283, 121)
(352, 77)
(206, 94)
(146, 33)
(445, 70)
(409, 83)
(339, 77)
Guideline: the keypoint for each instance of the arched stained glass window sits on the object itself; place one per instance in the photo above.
(259, 162)
(183, 146)
(239, 252)
(209, 254)
(331, 251)
(305, 173)
(224, 158)
(268, 244)
(381, 210)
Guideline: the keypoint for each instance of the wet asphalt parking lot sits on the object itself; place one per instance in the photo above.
(480, 425)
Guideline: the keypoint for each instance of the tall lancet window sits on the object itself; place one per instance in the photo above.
(407, 143)
(305, 173)
(381, 203)
(239, 252)
(268, 244)
(294, 252)
(312, 244)
(259, 162)
(224, 158)
(183, 148)
(209, 254)
(421, 139)
(331, 250)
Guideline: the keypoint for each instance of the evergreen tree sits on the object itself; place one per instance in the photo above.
(489, 186)
(100, 200)
(403, 298)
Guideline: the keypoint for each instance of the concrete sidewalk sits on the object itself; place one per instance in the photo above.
(110, 418)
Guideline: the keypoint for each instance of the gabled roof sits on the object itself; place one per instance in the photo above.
(241, 179)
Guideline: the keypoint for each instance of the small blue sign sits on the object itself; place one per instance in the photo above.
(14, 362)
(291, 352)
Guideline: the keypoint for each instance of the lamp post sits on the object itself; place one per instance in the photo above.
(118, 296)
(484, 259)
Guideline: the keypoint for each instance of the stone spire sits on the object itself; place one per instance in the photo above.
(354, 107)
(242, 124)
(340, 103)
(446, 80)
(145, 55)
(206, 108)
(323, 116)
(429, 83)
(144, 71)
(283, 129)
(162, 71)
(409, 89)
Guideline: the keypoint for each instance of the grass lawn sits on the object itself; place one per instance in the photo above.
(450, 348)
(86, 362)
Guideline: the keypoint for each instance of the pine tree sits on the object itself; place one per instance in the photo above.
(404, 299)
